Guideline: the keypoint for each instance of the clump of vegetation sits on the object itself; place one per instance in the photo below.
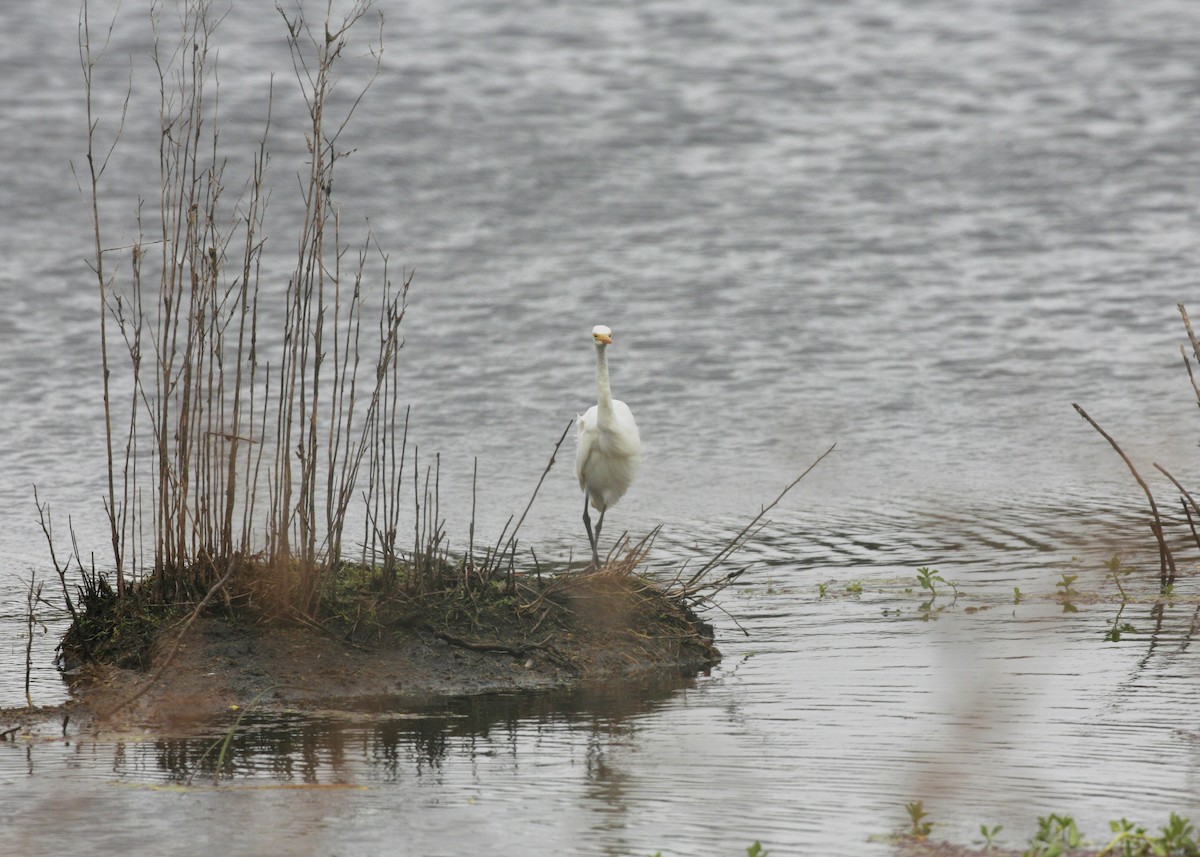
(114, 629)
(989, 835)
(917, 815)
(1056, 835)
(1177, 837)
(582, 612)
(928, 578)
(1059, 836)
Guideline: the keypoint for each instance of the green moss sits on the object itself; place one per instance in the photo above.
(115, 629)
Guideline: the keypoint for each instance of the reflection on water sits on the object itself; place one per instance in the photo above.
(835, 711)
(391, 738)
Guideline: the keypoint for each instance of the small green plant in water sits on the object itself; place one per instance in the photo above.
(1179, 836)
(927, 577)
(1119, 628)
(1117, 631)
(917, 813)
(1059, 836)
(822, 589)
(1064, 585)
(1017, 595)
(1132, 840)
(989, 835)
(753, 850)
(1056, 835)
(1117, 571)
(854, 587)
(1066, 592)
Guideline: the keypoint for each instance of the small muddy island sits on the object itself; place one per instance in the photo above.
(565, 630)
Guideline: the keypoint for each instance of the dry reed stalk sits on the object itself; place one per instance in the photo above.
(697, 583)
(1166, 560)
(629, 556)
(471, 530)
(47, 525)
(1187, 513)
(213, 416)
(33, 595)
(247, 306)
(1187, 325)
(1187, 497)
(510, 546)
(88, 62)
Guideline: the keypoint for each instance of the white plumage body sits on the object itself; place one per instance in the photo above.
(609, 448)
(607, 455)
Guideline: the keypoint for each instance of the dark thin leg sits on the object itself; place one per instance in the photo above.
(599, 524)
(587, 523)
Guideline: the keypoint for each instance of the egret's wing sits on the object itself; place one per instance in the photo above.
(585, 445)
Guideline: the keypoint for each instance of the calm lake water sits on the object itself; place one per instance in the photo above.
(918, 229)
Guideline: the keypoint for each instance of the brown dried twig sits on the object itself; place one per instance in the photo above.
(1176, 483)
(34, 594)
(1187, 324)
(1186, 499)
(1166, 560)
(1187, 364)
(512, 538)
(748, 532)
(47, 525)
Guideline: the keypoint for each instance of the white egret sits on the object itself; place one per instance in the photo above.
(609, 448)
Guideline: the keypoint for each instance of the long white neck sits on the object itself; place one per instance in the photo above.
(603, 393)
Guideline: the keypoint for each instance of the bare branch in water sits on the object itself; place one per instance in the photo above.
(1186, 500)
(1164, 553)
(1176, 483)
(508, 546)
(1187, 364)
(1187, 513)
(47, 525)
(743, 536)
(1187, 324)
(33, 596)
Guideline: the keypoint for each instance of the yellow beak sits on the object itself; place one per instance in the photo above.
(604, 337)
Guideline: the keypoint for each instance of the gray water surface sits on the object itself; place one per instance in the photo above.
(920, 230)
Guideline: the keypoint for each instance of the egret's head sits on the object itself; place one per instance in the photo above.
(601, 335)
